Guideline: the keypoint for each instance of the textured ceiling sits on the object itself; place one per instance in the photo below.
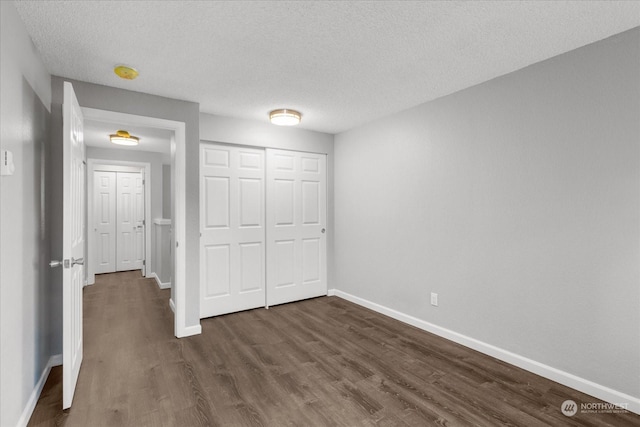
(340, 63)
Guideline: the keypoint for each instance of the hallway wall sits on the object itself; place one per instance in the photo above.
(25, 225)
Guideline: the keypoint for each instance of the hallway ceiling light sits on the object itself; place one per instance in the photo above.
(285, 117)
(125, 72)
(122, 137)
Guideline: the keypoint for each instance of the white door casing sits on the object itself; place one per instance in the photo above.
(73, 231)
(104, 211)
(296, 226)
(130, 221)
(232, 244)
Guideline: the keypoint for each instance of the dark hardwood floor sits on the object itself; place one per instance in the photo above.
(319, 362)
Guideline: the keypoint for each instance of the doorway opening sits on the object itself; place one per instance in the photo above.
(173, 135)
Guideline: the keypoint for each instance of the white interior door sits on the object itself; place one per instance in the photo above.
(130, 221)
(296, 221)
(73, 172)
(104, 213)
(232, 249)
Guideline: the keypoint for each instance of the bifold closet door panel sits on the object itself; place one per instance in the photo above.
(296, 222)
(232, 243)
(104, 208)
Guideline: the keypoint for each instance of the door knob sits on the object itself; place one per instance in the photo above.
(79, 261)
(54, 263)
(322, 231)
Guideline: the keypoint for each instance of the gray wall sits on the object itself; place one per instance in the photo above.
(264, 134)
(518, 202)
(25, 290)
(155, 182)
(112, 99)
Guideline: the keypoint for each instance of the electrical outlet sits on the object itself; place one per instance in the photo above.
(434, 299)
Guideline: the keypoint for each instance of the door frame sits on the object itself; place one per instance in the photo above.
(94, 165)
(179, 209)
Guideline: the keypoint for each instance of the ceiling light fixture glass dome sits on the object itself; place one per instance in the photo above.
(122, 137)
(285, 117)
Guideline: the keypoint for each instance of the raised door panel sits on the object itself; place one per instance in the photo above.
(283, 261)
(251, 267)
(217, 204)
(218, 276)
(251, 203)
(283, 201)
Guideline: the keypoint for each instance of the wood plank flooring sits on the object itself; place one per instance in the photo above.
(319, 362)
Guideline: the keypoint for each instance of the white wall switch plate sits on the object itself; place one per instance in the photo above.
(434, 299)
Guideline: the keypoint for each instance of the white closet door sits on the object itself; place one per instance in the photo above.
(130, 214)
(296, 221)
(232, 248)
(104, 184)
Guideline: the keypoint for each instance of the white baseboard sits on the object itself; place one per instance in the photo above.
(172, 305)
(588, 387)
(161, 284)
(190, 331)
(55, 360)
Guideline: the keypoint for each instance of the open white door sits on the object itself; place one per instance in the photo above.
(72, 242)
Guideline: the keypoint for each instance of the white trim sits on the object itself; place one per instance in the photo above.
(192, 330)
(55, 360)
(178, 169)
(179, 216)
(161, 285)
(593, 389)
(172, 305)
(94, 164)
(161, 221)
(331, 292)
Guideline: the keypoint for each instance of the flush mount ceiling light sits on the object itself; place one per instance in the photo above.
(125, 72)
(285, 117)
(122, 137)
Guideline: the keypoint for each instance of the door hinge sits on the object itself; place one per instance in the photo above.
(143, 222)
(144, 262)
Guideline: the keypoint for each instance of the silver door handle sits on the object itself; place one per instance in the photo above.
(54, 264)
(79, 261)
